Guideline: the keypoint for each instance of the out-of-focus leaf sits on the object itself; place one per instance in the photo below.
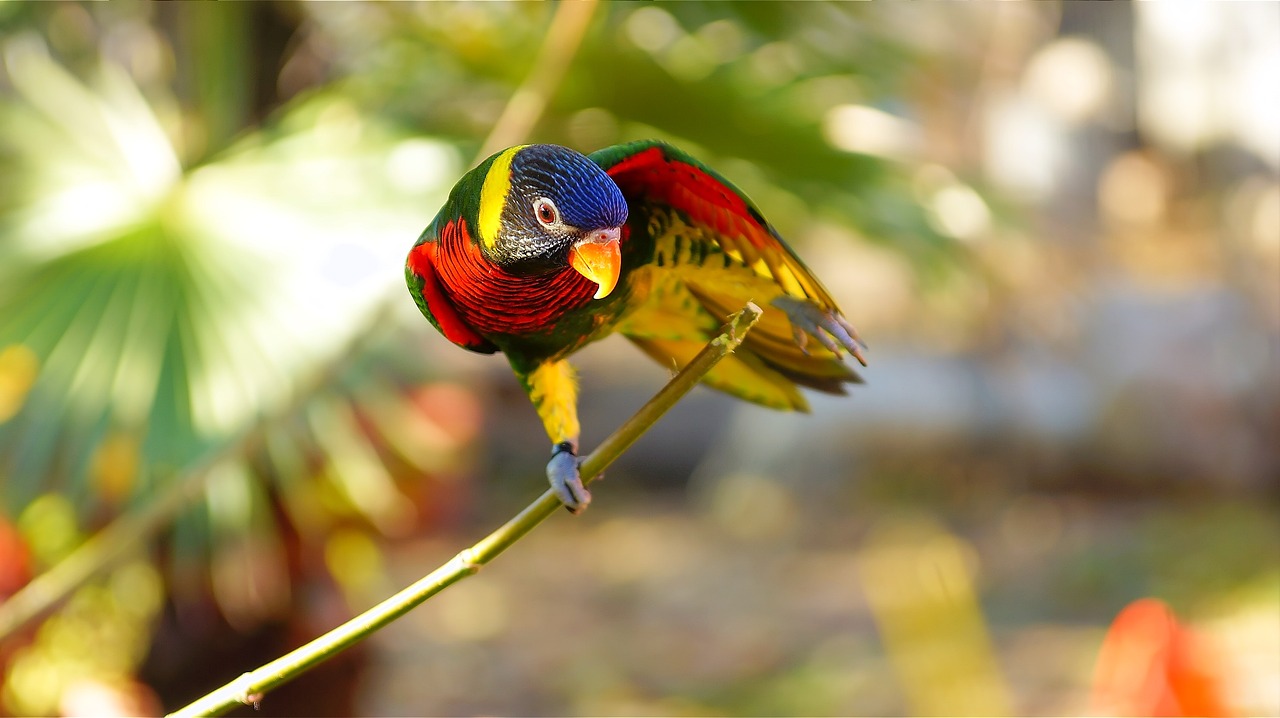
(189, 303)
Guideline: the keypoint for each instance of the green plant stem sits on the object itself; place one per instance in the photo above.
(127, 533)
(525, 107)
(250, 687)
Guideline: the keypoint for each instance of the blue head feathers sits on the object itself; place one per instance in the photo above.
(585, 196)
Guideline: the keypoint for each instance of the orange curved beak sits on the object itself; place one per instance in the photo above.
(599, 258)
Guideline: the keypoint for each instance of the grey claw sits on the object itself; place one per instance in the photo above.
(826, 341)
(831, 329)
(859, 346)
(562, 474)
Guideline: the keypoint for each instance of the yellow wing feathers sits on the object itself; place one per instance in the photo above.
(693, 289)
(693, 249)
(742, 374)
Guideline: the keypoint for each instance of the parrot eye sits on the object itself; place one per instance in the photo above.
(546, 212)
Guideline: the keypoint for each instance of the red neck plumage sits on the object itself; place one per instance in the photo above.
(493, 301)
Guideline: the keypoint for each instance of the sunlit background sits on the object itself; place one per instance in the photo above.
(1056, 225)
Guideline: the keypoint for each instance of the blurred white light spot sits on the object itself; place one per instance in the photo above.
(652, 29)
(1174, 110)
(1181, 75)
(1071, 77)
(70, 218)
(1024, 148)
(110, 125)
(326, 227)
(1188, 25)
(960, 212)
(858, 128)
(93, 696)
(955, 209)
(1253, 103)
(419, 165)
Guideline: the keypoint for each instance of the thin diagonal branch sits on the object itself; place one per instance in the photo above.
(250, 687)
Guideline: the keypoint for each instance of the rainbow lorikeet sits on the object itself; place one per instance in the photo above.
(541, 250)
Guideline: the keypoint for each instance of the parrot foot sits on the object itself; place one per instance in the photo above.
(831, 329)
(562, 473)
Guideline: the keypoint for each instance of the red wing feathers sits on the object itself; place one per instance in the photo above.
(659, 175)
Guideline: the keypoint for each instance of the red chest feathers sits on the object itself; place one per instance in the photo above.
(493, 301)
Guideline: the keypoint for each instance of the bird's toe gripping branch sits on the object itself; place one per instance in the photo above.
(566, 482)
(829, 327)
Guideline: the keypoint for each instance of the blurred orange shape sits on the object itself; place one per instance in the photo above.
(15, 560)
(1150, 665)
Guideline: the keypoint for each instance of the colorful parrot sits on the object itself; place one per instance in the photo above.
(541, 250)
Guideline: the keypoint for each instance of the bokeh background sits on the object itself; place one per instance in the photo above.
(1057, 225)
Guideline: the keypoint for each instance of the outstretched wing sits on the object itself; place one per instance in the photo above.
(712, 252)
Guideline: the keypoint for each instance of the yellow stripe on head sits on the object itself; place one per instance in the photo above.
(493, 195)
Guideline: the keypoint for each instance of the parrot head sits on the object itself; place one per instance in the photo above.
(545, 207)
